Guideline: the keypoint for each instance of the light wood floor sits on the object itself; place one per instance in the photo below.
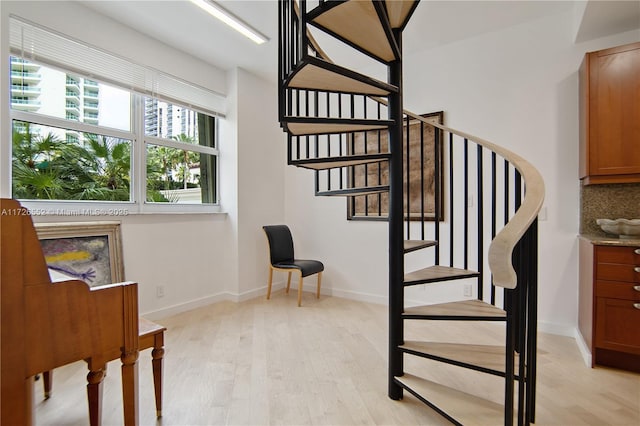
(269, 362)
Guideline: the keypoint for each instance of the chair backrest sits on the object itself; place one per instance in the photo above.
(280, 243)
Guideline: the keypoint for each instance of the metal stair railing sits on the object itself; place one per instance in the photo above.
(477, 200)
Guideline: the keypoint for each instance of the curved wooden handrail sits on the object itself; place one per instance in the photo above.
(502, 245)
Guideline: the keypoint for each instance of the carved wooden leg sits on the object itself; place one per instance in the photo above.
(319, 282)
(94, 396)
(269, 284)
(156, 354)
(288, 283)
(47, 378)
(300, 290)
(130, 387)
(30, 409)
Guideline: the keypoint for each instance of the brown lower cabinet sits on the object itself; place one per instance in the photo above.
(609, 303)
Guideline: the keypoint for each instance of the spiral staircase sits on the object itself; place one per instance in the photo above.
(464, 206)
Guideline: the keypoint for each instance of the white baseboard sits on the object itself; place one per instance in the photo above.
(208, 300)
(583, 347)
(256, 292)
(357, 296)
(186, 306)
(557, 329)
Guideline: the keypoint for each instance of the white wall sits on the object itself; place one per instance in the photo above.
(517, 87)
(197, 258)
(258, 178)
(262, 151)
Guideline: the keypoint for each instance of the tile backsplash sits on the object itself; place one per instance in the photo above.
(607, 202)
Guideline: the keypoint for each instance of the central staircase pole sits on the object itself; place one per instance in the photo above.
(396, 220)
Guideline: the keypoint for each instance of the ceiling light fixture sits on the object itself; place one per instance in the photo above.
(231, 20)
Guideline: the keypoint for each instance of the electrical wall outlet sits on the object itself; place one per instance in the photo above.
(468, 290)
(160, 291)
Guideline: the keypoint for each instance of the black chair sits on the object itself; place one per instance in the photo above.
(282, 259)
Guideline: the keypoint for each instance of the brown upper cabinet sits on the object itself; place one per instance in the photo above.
(610, 115)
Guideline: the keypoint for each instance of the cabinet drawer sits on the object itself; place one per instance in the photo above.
(618, 290)
(618, 263)
(618, 272)
(617, 325)
(623, 255)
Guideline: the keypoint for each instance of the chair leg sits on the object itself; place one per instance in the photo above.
(47, 378)
(319, 283)
(269, 284)
(300, 290)
(94, 396)
(129, 371)
(157, 354)
(288, 283)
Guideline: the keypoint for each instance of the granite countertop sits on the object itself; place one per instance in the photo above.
(605, 240)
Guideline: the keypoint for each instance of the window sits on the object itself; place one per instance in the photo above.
(85, 99)
(75, 139)
(89, 167)
(181, 155)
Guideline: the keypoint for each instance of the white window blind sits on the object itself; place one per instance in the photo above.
(34, 43)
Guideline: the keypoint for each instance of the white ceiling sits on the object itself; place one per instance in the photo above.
(183, 26)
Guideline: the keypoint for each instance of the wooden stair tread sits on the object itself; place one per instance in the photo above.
(463, 309)
(413, 245)
(300, 126)
(342, 161)
(368, 190)
(399, 12)
(358, 24)
(316, 74)
(437, 273)
(487, 358)
(465, 408)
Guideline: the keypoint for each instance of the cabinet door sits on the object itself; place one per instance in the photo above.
(617, 325)
(614, 111)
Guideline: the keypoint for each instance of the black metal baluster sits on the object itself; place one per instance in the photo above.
(407, 195)
(307, 112)
(437, 155)
(366, 166)
(532, 324)
(396, 240)
(316, 107)
(422, 212)
(521, 330)
(506, 194)
(451, 203)
(379, 165)
(303, 30)
(297, 112)
(493, 216)
(282, 6)
(509, 376)
(466, 203)
(480, 207)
